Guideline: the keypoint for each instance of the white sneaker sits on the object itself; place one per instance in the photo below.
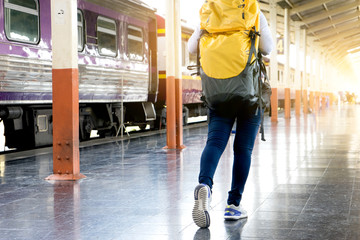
(233, 212)
(200, 213)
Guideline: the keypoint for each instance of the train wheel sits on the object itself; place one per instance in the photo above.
(111, 132)
(86, 126)
(161, 119)
(143, 126)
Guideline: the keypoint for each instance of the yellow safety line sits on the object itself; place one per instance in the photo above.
(162, 31)
(163, 76)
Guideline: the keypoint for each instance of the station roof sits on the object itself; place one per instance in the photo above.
(333, 24)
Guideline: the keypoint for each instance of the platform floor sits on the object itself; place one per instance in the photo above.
(304, 183)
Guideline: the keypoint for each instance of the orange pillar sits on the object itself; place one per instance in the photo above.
(323, 101)
(305, 102)
(311, 100)
(170, 113)
(174, 123)
(274, 105)
(332, 98)
(66, 157)
(287, 103)
(297, 102)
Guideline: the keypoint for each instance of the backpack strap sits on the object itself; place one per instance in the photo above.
(262, 67)
(252, 34)
(263, 82)
(258, 60)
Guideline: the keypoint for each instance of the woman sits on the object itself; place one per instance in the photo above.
(219, 130)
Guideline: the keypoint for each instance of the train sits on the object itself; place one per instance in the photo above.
(120, 62)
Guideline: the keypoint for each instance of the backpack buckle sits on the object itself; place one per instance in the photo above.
(253, 33)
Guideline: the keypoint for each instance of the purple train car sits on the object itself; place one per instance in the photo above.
(117, 48)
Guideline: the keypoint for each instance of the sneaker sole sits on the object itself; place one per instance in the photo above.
(200, 212)
(232, 218)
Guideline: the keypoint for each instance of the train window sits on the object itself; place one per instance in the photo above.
(22, 20)
(106, 36)
(81, 32)
(42, 123)
(135, 43)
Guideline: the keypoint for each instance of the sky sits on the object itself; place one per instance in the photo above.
(189, 9)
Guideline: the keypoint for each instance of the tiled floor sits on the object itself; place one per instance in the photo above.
(304, 183)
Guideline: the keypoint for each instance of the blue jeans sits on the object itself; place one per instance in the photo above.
(219, 130)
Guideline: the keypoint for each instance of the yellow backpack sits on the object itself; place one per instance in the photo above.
(225, 47)
(233, 75)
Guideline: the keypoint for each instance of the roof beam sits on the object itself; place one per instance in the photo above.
(331, 12)
(338, 30)
(344, 47)
(344, 42)
(340, 37)
(308, 6)
(338, 58)
(334, 22)
(350, 46)
(340, 48)
(339, 55)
